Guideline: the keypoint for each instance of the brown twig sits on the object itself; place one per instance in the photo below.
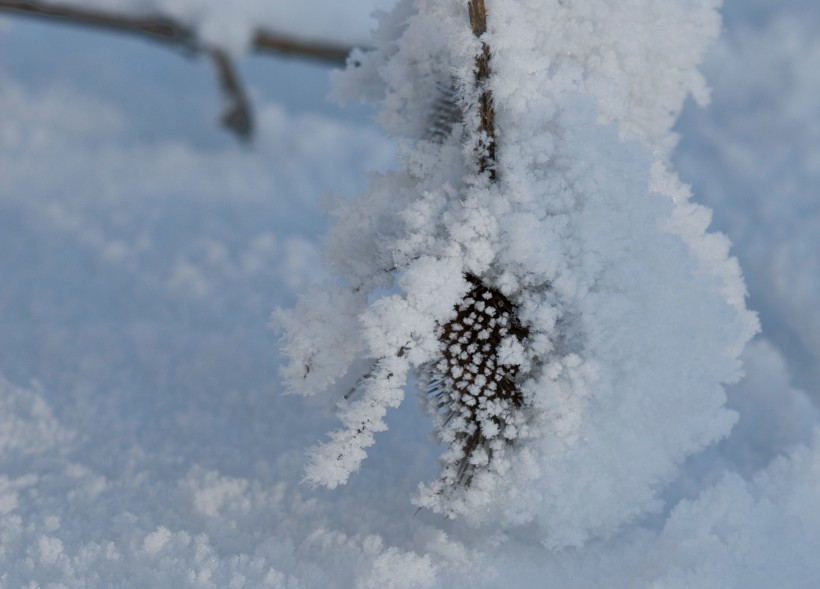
(237, 116)
(265, 42)
(486, 146)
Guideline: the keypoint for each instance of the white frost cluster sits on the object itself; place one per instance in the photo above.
(635, 313)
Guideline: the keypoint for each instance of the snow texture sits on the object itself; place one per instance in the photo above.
(144, 437)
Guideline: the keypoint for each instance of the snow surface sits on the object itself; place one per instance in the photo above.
(145, 440)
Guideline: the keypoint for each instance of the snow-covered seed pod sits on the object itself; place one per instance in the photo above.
(490, 383)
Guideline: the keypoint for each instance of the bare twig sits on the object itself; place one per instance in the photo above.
(237, 116)
(265, 42)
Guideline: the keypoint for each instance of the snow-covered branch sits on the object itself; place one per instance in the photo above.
(238, 115)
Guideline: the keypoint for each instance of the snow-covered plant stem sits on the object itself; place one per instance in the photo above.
(486, 147)
(533, 259)
(474, 395)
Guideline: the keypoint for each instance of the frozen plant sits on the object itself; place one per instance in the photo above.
(533, 259)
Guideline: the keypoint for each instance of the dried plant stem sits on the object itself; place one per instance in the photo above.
(486, 147)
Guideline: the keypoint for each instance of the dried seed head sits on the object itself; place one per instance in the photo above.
(474, 394)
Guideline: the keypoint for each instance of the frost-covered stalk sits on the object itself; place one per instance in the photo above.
(486, 111)
(472, 390)
(533, 258)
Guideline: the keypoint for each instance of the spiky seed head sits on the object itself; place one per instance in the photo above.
(475, 394)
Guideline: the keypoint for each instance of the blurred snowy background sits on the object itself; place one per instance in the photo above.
(144, 437)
